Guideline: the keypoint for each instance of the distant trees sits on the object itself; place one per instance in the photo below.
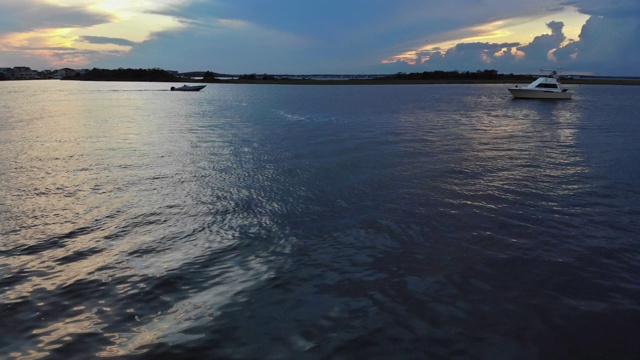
(160, 75)
(264, 76)
(121, 74)
(457, 76)
(209, 76)
(449, 75)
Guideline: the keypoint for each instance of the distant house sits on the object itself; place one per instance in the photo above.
(66, 72)
(46, 74)
(23, 73)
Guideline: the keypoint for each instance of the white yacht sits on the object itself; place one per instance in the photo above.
(545, 87)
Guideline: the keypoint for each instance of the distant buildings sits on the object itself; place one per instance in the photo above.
(66, 72)
(26, 73)
(19, 73)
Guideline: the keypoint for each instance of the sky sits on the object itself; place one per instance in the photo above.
(600, 37)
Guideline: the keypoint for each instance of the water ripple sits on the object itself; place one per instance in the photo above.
(317, 222)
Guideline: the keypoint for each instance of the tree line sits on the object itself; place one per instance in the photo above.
(121, 74)
(481, 75)
(161, 75)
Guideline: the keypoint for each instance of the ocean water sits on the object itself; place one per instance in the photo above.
(318, 222)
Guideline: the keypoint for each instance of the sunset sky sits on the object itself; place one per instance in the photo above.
(599, 37)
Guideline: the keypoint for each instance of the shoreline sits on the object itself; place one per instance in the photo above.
(418, 82)
(347, 82)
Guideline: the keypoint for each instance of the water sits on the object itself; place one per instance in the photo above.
(318, 222)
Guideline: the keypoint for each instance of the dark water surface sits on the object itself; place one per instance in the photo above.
(318, 222)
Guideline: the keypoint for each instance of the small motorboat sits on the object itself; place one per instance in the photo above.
(545, 87)
(188, 88)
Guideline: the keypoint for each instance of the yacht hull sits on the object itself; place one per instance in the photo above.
(524, 93)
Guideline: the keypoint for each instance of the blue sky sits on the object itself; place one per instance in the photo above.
(324, 37)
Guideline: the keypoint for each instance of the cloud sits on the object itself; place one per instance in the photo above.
(320, 36)
(337, 36)
(37, 30)
(221, 46)
(41, 48)
(541, 46)
(473, 56)
(608, 44)
(504, 57)
(107, 40)
(30, 15)
(613, 9)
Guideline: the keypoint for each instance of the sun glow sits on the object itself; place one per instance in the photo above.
(136, 28)
(126, 21)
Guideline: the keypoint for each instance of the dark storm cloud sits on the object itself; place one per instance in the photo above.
(107, 40)
(614, 9)
(609, 42)
(41, 48)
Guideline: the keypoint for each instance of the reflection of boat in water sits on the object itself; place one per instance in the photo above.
(188, 88)
(545, 87)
